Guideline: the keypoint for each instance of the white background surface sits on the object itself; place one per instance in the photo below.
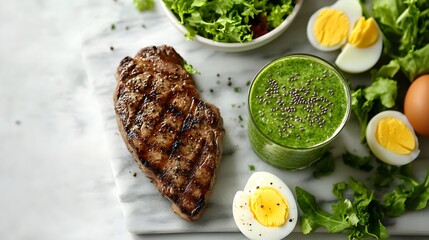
(55, 178)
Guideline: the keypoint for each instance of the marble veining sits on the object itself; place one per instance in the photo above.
(223, 80)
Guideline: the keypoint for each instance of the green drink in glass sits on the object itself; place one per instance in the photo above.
(297, 104)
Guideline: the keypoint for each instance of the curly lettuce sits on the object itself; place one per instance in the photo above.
(229, 21)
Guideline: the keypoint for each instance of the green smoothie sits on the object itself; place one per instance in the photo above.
(297, 105)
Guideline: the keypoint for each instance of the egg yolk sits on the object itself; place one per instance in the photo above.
(269, 207)
(395, 136)
(331, 27)
(364, 34)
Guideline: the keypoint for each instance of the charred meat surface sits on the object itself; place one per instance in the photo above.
(174, 136)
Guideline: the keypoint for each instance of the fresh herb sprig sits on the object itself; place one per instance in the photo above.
(394, 191)
(360, 216)
(190, 69)
(144, 5)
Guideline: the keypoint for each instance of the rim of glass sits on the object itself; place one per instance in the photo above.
(324, 62)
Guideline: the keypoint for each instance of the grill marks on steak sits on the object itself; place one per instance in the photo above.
(175, 137)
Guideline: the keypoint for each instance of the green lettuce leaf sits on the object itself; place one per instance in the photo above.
(382, 93)
(358, 162)
(405, 27)
(386, 71)
(227, 21)
(361, 217)
(314, 216)
(279, 12)
(405, 30)
(383, 89)
(358, 211)
(324, 166)
(409, 195)
(361, 107)
(415, 63)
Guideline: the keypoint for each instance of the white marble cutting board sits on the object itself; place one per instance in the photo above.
(145, 210)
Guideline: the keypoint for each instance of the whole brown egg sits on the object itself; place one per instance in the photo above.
(416, 105)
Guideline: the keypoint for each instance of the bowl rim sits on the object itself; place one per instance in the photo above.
(254, 43)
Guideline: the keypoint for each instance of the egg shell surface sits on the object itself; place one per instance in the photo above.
(416, 105)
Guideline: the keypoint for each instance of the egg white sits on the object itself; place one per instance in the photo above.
(244, 218)
(353, 11)
(382, 153)
(356, 60)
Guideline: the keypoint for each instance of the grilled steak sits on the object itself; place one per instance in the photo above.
(174, 136)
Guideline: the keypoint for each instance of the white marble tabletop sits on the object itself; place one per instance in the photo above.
(56, 180)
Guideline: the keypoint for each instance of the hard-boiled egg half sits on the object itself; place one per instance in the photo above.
(391, 138)
(266, 209)
(329, 27)
(342, 25)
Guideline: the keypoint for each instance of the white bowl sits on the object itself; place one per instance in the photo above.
(238, 47)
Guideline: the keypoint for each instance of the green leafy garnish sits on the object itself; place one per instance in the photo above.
(143, 5)
(359, 162)
(366, 101)
(415, 63)
(386, 174)
(190, 69)
(252, 168)
(379, 96)
(359, 216)
(362, 214)
(405, 30)
(404, 23)
(324, 166)
(408, 195)
(229, 21)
